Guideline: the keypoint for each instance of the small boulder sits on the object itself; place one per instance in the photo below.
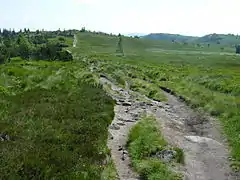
(110, 136)
(127, 104)
(199, 139)
(4, 137)
(121, 100)
(150, 104)
(120, 148)
(123, 157)
(120, 119)
(118, 103)
(142, 104)
(120, 124)
(129, 120)
(166, 155)
(160, 106)
(134, 115)
(114, 127)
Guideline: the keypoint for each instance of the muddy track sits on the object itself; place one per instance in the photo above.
(206, 154)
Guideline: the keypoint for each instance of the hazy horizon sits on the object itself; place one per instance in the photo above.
(125, 17)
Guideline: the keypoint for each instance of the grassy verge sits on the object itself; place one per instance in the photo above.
(147, 89)
(54, 122)
(109, 173)
(144, 141)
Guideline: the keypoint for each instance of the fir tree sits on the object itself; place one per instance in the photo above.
(119, 45)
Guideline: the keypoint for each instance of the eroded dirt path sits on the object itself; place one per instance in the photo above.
(206, 155)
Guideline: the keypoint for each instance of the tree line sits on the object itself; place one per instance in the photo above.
(34, 45)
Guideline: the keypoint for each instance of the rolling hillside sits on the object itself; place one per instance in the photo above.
(170, 37)
(72, 119)
(223, 39)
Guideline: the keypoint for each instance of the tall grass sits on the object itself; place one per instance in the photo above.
(145, 140)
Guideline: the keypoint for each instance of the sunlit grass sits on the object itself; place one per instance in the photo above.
(206, 78)
(145, 140)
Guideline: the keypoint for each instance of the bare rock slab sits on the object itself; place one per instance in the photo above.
(199, 139)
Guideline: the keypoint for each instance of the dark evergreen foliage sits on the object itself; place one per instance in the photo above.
(119, 45)
(34, 45)
(238, 49)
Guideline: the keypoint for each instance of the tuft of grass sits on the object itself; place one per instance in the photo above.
(153, 169)
(109, 172)
(145, 140)
(148, 89)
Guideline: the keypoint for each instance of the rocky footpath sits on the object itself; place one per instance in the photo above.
(206, 153)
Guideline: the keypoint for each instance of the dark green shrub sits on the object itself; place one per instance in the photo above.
(62, 39)
(237, 49)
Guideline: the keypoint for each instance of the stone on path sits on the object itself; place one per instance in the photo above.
(127, 104)
(120, 124)
(114, 127)
(199, 139)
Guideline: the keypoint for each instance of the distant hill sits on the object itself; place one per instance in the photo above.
(224, 39)
(170, 37)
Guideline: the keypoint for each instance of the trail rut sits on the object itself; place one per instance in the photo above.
(206, 154)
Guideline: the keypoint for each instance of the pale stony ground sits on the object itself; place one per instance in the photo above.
(206, 154)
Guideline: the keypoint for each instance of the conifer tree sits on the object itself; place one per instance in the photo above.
(120, 45)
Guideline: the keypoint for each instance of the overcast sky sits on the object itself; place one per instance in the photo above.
(189, 17)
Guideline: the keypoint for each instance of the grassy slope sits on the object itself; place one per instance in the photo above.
(56, 117)
(224, 39)
(208, 81)
(170, 37)
(144, 141)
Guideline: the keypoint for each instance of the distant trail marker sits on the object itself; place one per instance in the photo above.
(75, 40)
(120, 46)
